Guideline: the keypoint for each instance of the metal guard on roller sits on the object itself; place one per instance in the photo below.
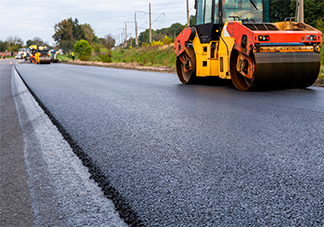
(246, 39)
(180, 42)
(276, 59)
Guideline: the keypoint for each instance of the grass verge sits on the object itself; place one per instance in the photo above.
(147, 56)
(321, 73)
(63, 57)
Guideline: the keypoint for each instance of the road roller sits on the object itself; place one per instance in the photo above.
(235, 40)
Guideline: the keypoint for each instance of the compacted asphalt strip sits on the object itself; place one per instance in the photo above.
(15, 205)
(43, 183)
(177, 155)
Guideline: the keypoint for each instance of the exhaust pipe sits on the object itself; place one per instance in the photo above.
(300, 12)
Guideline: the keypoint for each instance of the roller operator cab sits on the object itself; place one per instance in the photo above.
(234, 39)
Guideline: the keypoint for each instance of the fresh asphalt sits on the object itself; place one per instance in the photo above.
(190, 155)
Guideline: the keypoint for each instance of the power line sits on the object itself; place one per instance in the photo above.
(165, 4)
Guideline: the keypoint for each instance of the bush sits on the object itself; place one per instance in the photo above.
(156, 43)
(322, 54)
(105, 58)
(83, 49)
(167, 40)
(96, 49)
(109, 53)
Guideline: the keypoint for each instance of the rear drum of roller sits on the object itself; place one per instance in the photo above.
(278, 70)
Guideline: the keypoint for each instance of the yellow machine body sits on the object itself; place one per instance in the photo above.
(213, 64)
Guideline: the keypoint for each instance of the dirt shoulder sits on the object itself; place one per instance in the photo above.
(122, 65)
(140, 67)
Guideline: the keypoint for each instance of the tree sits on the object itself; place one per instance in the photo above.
(192, 20)
(83, 49)
(157, 36)
(89, 34)
(279, 10)
(145, 36)
(175, 29)
(313, 10)
(109, 41)
(320, 25)
(77, 31)
(29, 43)
(35, 41)
(2, 46)
(68, 30)
(14, 43)
(63, 32)
(67, 46)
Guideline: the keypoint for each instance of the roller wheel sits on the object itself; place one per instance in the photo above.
(240, 81)
(186, 67)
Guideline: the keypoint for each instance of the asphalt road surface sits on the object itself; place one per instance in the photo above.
(190, 155)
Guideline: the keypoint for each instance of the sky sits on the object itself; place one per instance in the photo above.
(29, 19)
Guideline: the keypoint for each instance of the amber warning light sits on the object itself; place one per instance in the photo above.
(264, 38)
(311, 37)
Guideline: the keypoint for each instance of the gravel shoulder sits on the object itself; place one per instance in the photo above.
(122, 65)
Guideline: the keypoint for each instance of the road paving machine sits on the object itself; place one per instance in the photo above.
(43, 50)
(233, 39)
(45, 56)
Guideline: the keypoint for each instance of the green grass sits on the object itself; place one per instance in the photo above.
(321, 74)
(148, 56)
(63, 57)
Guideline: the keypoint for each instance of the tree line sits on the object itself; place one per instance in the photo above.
(69, 31)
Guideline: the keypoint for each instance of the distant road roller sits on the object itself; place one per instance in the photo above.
(234, 40)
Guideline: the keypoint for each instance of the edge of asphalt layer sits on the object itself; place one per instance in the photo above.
(62, 180)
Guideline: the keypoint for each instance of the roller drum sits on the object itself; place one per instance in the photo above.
(281, 70)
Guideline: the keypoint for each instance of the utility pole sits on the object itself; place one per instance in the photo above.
(126, 31)
(188, 21)
(121, 36)
(150, 22)
(136, 40)
(300, 15)
(125, 35)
